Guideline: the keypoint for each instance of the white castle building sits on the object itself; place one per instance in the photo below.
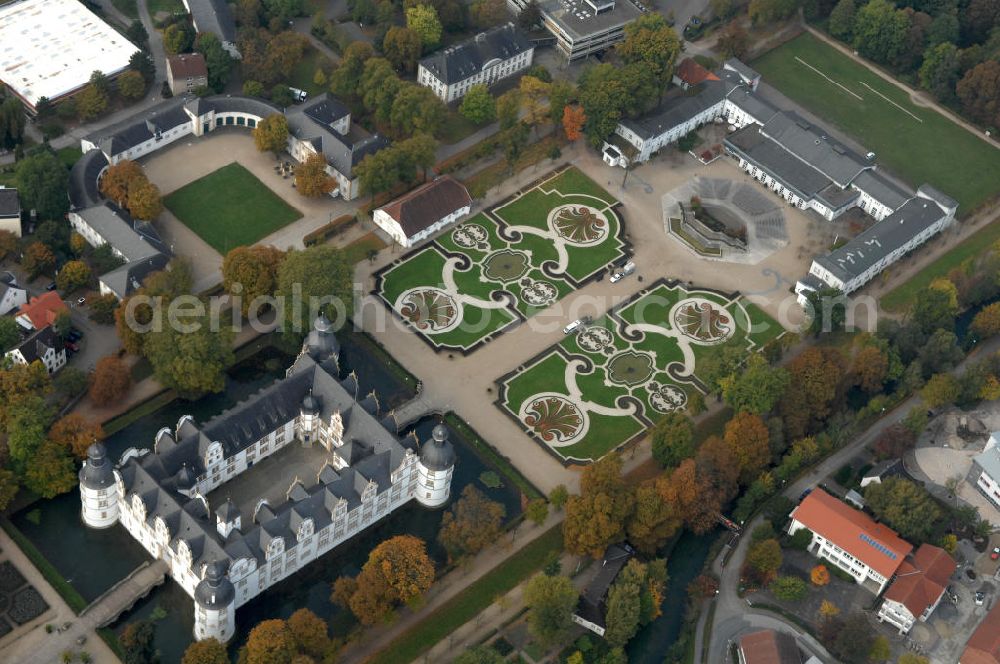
(223, 555)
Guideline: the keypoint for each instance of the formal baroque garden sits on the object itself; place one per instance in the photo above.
(603, 386)
(506, 264)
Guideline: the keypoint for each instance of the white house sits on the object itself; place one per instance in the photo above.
(43, 346)
(10, 211)
(12, 296)
(917, 587)
(985, 471)
(488, 57)
(223, 554)
(850, 539)
(424, 211)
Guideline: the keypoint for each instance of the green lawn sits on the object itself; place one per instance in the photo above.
(925, 147)
(305, 71)
(127, 7)
(229, 208)
(166, 6)
(470, 602)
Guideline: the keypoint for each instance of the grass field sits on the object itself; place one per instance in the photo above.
(229, 208)
(917, 144)
(481, 276)
(597, 389)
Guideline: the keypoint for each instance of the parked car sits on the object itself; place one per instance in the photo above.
(980, 597)
(572, 326)
(624, 272)
(995, 554)
(81, 301)
(804, 494)
(298, 95)
(51, 286)
(72, 346)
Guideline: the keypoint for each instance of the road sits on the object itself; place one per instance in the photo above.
(732, 615)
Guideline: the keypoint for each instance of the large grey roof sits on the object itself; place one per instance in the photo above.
(127, 279)
(97, 472)
(679, 108)
(213, 16)
(438, 453)
(141, 127)
(881, 189)
(756, 106)
(989, 461)
(459, 62)
(34, 347)
(579, 21)
(83, 177)
(592, 603)
(134, 240)
(310, 122)
(813, 146)
(10, 205)
(882, 239)
(800, 177)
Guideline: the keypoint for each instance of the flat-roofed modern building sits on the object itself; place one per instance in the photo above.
(985, 471)
(483, 60)
(584, 27)
(50, 48)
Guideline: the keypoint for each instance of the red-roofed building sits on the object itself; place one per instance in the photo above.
(918, 587)
(850, 539)
(41, 311)
(689, 73)
(424, 211)
(984, 645)
(769, 647)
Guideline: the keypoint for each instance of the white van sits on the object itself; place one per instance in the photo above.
(624, 272)
(298, 95)
(572, 326)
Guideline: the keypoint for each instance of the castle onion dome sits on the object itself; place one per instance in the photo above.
(438, 453)
(97, 473)
(322, 341)
(215, 591)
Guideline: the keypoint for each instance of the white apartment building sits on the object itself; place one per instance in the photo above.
(485, 59)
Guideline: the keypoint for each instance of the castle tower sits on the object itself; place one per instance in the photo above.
(437, 462)
(98, 493)
(215, 605)
(321, 342)
(227, 518)
(308, 426)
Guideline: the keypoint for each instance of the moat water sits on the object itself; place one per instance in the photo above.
(92, 561)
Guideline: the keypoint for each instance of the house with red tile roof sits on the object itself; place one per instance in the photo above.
(769, 647)
(850, 539)
(40, 312)
(984, 645)
(689, 73)
(917, 588)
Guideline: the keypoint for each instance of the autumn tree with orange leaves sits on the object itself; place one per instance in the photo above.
(573, 120)
(597, 517)
(76, 433)
(398, 572)
(819, 575)
(749, 439)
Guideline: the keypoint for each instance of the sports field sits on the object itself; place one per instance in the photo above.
(506, 264)
(229, 208)
(918, 144)
(606, 384)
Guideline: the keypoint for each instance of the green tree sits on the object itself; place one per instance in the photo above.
(769, 11)
(479, 655)
(177, 38)
(416, 109)
(473, 523)
(842, 19)
(142, 62)
(596, 518)
(217, 60)
(880, 31)
(423, 20)
(38, 259)
(488, 13)
(757, 388)
(42, 183)
(904, 506)
(764, 559)
(940, 353)
(271, 134)
(672, 439)
(8, 488)
(937, 307)
(789, 588)
(881, 649)
(72, 275)
(324, 279)
(940, 390)
(653, 44)
(550, 601)
(137, 642)
(653, 520)
(131, 85)
(12, 121)
(402, 47)
(9, 334)
(377, 173)
(478, 106)
(191, 362)
(733, 41)
(346, 78)
(537, 511)
(27, 419)
(558, 496)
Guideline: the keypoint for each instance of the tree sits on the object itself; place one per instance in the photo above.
(208, 651)
(132, 85)
(703, 586)
(733, 41)
(253, 88)
(398, 571)
(596, 517)
(622, 613)
(789, 588)
(377, 172)
(905, 506)
(815, 381)
(72, 275)
(217, 60)
(324, 279)
(537, 511)
(177, 38)
(9, 334)
(842, 19)
(251, 273)
(8, 244)
(880, 31)
(12, 122)
(757, 388)
(42, 183)
(270, 642)
(488, 13)
(979, 92)
(870, 368)
(534, 96)
(92, 101)
(142, 62)
(311, 178)
(672, 439)
(346, 78)
(558, 496)
(940, 352)
(940, 71)
(852, 640)
(573, 121)
(192, 362)
(111, 381)
(749, 439)
(894, 442)
(986, 322)
(309, 633)
(271, 134)
(473, 523)
(102, 309)
(418, 151)
(508, 107)
(940, 390)
(402, 47)
(38, 259)
(693, 497)
(423, 20)
(8, 488)
(769, 11)
(911, 658)
(343, 589)
(478, 105)
(828, 609)
(76, 433)
(70, 382)
(819, 575)
(479, 655)
(416, 109)
(137, 642)
(978, 18)
(937, 307)
(119, 180)
(529, 16)
(880, 650)
(653, 44)
(653, 521)
(764, 560)
(551, 601)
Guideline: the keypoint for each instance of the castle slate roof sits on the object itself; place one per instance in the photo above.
(159, 477)
(591, 605)
(882, 239)
(126, 279)
(116, 227)
(10, 205)
(679, 108)
(428, 204)
(766, 153)
(37, 345)
(461, 61)
(311, 122)
(213, 16)
(83, 177)
(811, 145)
(882, 189)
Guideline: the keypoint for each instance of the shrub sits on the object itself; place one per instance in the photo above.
(789, 588)
(819, 575)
